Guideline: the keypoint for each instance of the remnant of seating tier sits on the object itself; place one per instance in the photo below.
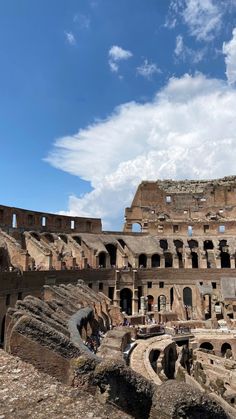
(53, 333)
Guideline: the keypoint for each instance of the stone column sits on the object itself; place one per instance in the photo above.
(143, 305)
(135, 293)
(116, 299)
(175, 261)
(162, 261)
(149, 262)
(232, 261)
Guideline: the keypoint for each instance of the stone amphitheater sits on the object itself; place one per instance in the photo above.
(139, 323)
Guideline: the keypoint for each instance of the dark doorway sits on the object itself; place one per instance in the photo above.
(207, 345)
(187, 297)
(112, 253)
(155, 261)
(150, 302)
(142, 261)
(171, 297)
(126, 300)
(168, 260)
(102, 260)
(194, 260)
(224, 348)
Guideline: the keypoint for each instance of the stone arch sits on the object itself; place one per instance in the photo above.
(164, 244)
(48, 237)
(225, 259)
(169, 367)
(111, 248)
(63, 237)
(102, 259)
(168, 260)
(126, 296)
(194, 260)
(150, 302)
(161, 303)
(136, 228)
(193, 244)
(153, 358)
(142, 260)
(224, 347)
(208, 245)
(35, 235)
(187, 296)
(224, 254)
(207, 345)
(156, 260)
(77, 239)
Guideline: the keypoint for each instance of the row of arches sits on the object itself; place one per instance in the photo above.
(126, 296)
(209, 346)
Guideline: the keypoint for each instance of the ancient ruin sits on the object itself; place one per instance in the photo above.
(149, 312)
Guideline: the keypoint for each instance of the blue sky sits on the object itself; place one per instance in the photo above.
(96, 95)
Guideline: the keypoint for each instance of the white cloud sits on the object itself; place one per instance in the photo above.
(202, 17)
(82, 20)
(70, 38)
(188, 54)
(147, 69)
(187, 131)
(229, 49)
(117, 54)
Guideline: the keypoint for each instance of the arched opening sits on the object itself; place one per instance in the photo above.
(142, 261)
(207, 345)
(136, 228)
(150, 302)
(153, 357)
(35, 235)
(14, 221)
(3, 330)
(77, 239)
(194, 260)
(225, 260)
(168, 260)
(171, 297)
(179, 251)
(164, 244)
(193, 244)
(48, 237)
(224, 254)
(102, 260)
(224, 348)
(169, 366)
(122, 243)
(207, 306)
(155, 260)
(161, 303)
(111, 248)
(208, 245)
(63, 237)
(187, 297)
(126, 300)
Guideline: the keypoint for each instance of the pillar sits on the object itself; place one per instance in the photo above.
(135, 294)
(116, 299)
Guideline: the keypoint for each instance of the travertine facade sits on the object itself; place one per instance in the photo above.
(182, 262)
